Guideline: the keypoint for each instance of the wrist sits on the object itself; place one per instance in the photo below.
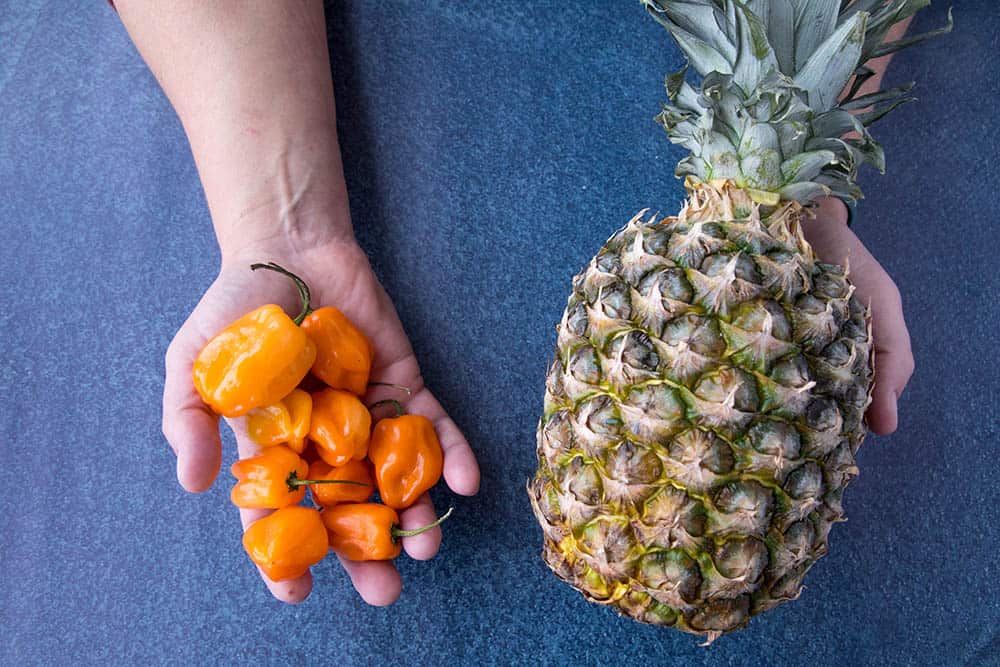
(271, 232)
(827, 215)
(293, 201)
(831, 211)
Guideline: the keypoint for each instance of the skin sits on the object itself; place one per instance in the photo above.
(251, 84)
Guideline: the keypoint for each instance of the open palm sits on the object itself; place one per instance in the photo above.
(339, 275)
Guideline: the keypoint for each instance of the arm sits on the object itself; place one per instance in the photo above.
(251, 84)
(835, 242)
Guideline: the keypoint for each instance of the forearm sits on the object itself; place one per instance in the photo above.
(251, 84)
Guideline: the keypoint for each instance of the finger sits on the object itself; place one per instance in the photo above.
(425, 545)
(461, 471)
(893, 364)
(188, 424)
(893, 367)
(376, 581)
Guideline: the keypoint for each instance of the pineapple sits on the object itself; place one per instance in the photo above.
(711, 375)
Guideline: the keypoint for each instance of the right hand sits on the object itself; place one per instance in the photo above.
(339, 275)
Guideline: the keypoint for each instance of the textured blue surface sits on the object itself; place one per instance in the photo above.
(489, 151)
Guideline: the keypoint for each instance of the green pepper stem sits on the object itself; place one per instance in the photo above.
(294, 482)
(399, 532)
(390, 384)
(300, 285)
(399, 406)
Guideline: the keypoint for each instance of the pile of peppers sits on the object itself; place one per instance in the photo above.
(260, 367)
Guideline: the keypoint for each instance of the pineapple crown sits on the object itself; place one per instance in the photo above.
(769, 114)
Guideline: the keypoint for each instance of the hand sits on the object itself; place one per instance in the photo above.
(339, 275)
(834, 242)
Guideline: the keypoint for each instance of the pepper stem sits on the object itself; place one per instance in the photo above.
(300, 285)
(390, 384)
(399, 406)
(399, 532)
(294, 482)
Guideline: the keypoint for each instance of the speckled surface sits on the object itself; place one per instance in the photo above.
(489, 152)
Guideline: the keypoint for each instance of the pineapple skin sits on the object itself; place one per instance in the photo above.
(702, 414)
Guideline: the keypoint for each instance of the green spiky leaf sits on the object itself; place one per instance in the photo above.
(828, 69)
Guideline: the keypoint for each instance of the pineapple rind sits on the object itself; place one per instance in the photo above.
(702, 415)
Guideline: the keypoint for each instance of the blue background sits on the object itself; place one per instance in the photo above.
(489, 151)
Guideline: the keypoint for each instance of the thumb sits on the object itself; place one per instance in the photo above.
(191, 428)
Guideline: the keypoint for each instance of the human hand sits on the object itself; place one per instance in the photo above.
(339, 275)
(834, 242)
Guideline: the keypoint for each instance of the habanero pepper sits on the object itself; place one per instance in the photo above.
(368, 531)
(255, 361)
(344, 354)
(287, 542)
(327, 495)
(283, 423)
(277, 478)
(406, 456)
(340, 426)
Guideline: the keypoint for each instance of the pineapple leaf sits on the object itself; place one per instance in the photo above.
(828, 69)
(792, 135)
(757, 137)
(806, 166)
(754, 59)
(835, 123)
(877, 98)
(882, 20)
(849, 8)
(872, 116)
(871, 151)
(703, 19)
(780, 22)
(674, 82)
(803, 192)
(891, 47)
(861, 75)
(813, 22)
(705, 56)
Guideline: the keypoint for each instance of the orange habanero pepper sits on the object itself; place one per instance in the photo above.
(283, 423)
(255, 361)
(287, 542)
(343, 354)
(327, 495)
(277, 478)
(367, 531)
(407, 457)
(269, 481)
(340, 426)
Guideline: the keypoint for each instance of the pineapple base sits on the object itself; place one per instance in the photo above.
(702, 414)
